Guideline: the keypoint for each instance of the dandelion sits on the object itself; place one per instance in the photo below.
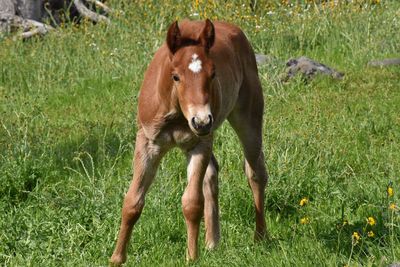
(355, 237)
(371, 221)
(392, 206)
(303, 201)
(371, 234)
(304, 220)
(390, 191)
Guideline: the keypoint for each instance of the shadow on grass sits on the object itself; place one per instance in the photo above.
(98, 148)
(39, 159)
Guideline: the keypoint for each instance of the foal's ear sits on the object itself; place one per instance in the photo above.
(207, 37)
(174, 37)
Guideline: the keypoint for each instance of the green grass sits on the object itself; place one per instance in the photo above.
(67, 114)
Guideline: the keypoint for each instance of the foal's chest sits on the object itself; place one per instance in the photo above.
(173, 134)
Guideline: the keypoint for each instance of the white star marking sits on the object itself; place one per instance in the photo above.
(195, 65)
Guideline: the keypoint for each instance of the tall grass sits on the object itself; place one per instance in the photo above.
(67, 115)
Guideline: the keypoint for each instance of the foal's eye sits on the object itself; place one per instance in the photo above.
(175, 77)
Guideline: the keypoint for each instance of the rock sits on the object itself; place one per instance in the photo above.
(304, 65)
(309, 68)
(384, 62)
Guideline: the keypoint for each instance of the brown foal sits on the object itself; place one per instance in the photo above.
(203, 74)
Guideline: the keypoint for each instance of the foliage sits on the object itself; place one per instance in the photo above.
(68, 106)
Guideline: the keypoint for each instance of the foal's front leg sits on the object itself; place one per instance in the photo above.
(193, 199)
(211, 213)
(146, 161)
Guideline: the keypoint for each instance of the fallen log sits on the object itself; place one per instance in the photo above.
(87, 13)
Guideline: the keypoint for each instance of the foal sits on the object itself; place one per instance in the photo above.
(203, 74)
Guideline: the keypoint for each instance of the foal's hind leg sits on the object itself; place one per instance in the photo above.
(211, 214)
(246, 120)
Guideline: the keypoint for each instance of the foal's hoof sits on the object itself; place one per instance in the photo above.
(211, 245)
(260, 236)
(191, 258)
(116, 260)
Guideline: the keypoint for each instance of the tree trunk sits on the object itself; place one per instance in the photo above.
(7, 6)
(30, 9)
(29, 15)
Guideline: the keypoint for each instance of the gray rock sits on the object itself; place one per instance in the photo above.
(309, 68)
(384, 62)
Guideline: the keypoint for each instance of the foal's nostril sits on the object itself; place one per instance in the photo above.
(194, 124)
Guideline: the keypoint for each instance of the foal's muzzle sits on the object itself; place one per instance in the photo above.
(202, 126)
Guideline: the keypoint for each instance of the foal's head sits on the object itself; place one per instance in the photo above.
(192, 73)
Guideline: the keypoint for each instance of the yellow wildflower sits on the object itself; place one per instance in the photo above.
(356, 236)
(304, 220)
(345, 222)
(390, 191)
(392, 206)
(303, 201)
(371, 234)
(371, 221)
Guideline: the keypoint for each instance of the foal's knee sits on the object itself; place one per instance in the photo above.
(192, 207)
(132, 209)
(256, 173)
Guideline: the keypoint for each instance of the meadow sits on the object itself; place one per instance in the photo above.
(68, 122)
